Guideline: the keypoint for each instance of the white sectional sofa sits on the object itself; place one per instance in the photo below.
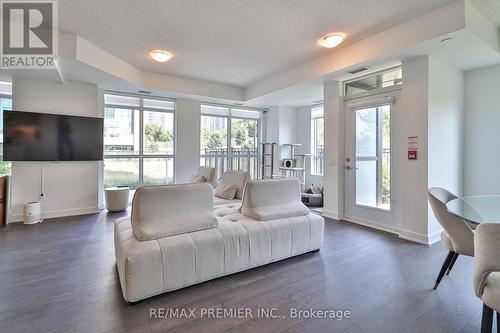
(175, 239)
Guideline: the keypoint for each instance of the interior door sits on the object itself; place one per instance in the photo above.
(371, 169)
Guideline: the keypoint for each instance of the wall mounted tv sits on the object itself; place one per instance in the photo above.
(31, 136)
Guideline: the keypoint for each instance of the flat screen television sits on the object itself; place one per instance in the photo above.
(31, 136)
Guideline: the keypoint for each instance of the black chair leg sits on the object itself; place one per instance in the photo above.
(445, 266)
(487, 320)
(455, 257)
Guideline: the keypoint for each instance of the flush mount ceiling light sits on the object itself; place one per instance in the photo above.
(331, 40)
(160, 55)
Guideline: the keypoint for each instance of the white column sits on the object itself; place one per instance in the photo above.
(334, 150)
(413, 173)
(432, 109)
(188, 139)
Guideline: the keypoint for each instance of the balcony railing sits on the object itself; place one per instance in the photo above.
(318, 161)
(242, 159)
(386, 156)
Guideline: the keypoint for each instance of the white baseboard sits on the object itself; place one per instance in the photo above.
(57, 213)
(385, 228)
(403, 234)
(420, 238)
(331, 214)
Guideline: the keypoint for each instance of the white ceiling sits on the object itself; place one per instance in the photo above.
(229, 41)
(490, 8)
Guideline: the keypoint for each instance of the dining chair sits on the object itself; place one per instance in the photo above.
(486, 276)
(457, 237)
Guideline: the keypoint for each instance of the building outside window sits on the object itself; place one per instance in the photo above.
(229, 139)
(5, 105)
(139, 140)
(317, 140)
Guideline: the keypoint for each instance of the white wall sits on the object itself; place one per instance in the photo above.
(481, 131)
(303, 136)
(445, 132)
(432, 109)
(414, 98)
(70, 188)
(287, 133)
(291, 125)
(281, 122)
(188, 143)
(287, 125)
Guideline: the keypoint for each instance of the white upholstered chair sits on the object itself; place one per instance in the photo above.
(207, 172)
(457, 237)
(487, 272)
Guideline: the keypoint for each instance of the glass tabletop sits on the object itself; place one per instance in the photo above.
(476, 209)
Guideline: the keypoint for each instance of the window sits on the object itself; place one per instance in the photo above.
(385, 79)
(223, 127)
(317, 140)
(5, 105)
(138, 140)
(373, 156)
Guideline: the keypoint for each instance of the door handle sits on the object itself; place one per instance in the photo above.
(348, 167)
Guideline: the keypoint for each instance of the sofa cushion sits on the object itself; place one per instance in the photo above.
(220, 201)
(161, 211)
(198, 179)
(271, 199)
(238, 178)
(226, 191)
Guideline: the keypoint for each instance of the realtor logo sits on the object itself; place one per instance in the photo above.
(29, 34)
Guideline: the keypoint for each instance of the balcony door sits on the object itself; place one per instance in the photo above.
(371, 169)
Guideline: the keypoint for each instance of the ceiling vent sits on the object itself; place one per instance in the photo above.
(144, 92)
(358, 70)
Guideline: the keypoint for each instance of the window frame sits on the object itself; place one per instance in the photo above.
(142, 156)
(6, 96)
(229, 156)
(371, 91)
(314, 145)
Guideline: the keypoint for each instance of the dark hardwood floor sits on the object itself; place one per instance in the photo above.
(60, 276)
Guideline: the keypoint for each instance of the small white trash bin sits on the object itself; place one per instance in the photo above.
(32, 212)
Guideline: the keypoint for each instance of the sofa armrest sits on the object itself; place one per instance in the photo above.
(139, 263)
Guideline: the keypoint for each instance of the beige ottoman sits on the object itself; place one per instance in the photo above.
(117, 198)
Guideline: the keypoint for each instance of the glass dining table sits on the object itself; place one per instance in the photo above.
(476, 209)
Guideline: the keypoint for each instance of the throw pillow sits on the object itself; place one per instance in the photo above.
(226, 191)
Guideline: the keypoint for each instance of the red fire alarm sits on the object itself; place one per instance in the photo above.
(412, 154)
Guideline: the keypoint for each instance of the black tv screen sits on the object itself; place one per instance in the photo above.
(31, 136)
